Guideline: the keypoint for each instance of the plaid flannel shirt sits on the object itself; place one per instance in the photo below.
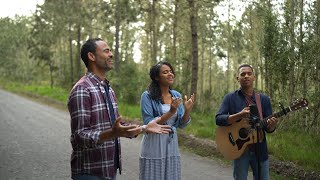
(89, 117)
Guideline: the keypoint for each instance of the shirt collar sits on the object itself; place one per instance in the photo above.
(96, 79)
(240, 92)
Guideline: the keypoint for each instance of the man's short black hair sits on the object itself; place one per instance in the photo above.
(89, 46)
(245, 65)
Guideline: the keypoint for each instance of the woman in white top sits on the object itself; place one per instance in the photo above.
(160, 157)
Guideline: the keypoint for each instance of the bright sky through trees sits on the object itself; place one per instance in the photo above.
(18, 7)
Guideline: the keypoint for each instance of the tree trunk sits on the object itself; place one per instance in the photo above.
(70, 56)
(78, 59)
(174, 33)
(304, 78)
(201, 94)
(194, 42)
(51, 73)
(210, 67)
(291, 56)
(154, 32)
(228, 50)
(117, 34)
(317, 74)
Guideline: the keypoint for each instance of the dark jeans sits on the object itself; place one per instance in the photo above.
(241, 167)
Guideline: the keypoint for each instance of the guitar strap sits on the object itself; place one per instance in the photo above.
(258, 102)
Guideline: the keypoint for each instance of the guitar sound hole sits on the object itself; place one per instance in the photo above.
(243, 133)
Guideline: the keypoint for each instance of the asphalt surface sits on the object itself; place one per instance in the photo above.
(34, 145)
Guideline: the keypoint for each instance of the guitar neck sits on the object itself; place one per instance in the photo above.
(264, 124)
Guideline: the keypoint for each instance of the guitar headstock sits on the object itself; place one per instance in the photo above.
(299, 103)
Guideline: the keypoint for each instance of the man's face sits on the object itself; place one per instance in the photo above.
(103, 56)
(246, 77)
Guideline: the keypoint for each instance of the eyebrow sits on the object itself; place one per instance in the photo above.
(106, 49)
(243, 73)
(246, 72)
(167, 70)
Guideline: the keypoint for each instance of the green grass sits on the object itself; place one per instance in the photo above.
(275, 176)
(56, 93)
(129, 111)
(202, 125)
(296, 146)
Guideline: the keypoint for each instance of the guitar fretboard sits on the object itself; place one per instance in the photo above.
(264, 124)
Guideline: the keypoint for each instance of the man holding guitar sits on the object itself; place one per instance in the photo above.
(235, 111)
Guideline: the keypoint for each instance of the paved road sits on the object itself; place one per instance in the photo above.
(35, 145)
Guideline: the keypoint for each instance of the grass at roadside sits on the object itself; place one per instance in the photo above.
(56, 93)
(202, 125)
(290, 145)
(299, 147)
(130, 111)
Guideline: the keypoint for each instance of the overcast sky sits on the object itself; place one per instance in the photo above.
(9, 8)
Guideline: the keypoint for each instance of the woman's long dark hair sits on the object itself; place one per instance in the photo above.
(154, 87)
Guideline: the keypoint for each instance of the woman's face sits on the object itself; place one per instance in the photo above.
(166, 76)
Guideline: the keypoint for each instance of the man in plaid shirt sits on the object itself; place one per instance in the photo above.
(95, 121)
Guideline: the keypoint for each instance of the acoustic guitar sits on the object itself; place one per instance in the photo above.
(232, 140)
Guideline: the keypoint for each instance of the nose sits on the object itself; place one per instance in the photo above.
(171, 73)
(110, 54)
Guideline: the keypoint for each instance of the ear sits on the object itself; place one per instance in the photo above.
(91, 56)
(237, 78)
